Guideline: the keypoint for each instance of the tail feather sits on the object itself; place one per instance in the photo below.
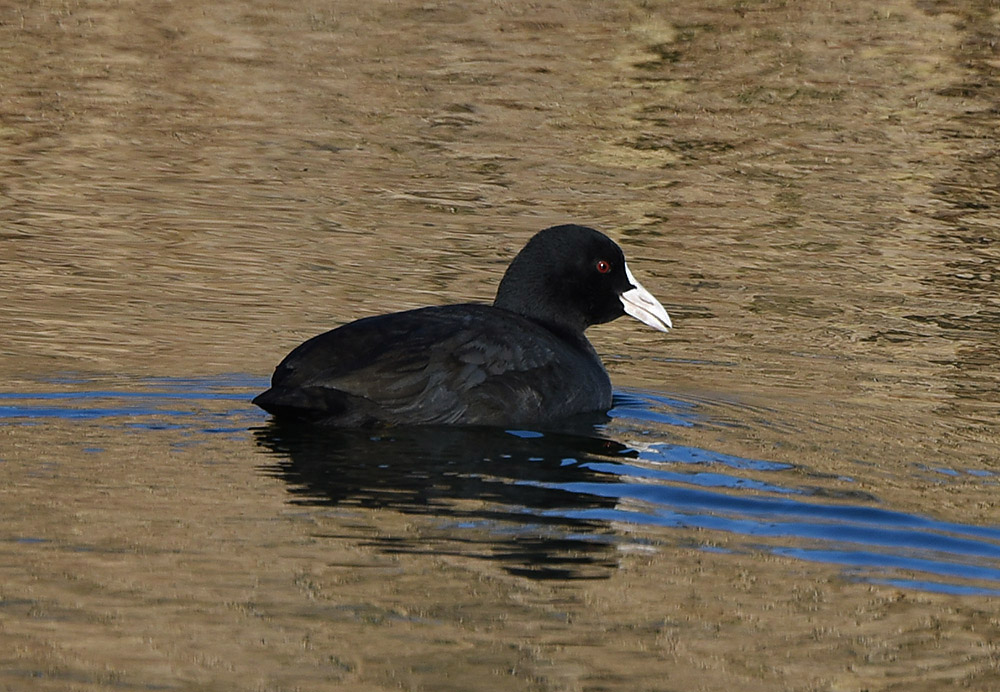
(315, 404)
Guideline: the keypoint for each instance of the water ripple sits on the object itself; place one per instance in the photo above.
(554, 504)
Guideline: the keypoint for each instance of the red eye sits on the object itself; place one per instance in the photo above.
(603, 267)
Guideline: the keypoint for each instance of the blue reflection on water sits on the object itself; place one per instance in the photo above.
(875, 544)
(638, 406)
(769, 506)
(154, 396)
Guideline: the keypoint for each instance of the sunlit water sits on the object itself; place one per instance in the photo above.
(555, 505)
(796, 488)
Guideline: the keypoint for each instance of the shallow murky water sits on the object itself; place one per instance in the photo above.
(795, 489)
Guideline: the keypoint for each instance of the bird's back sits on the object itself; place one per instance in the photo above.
(458, 364)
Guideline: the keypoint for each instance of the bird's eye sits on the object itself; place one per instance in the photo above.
(603, 267)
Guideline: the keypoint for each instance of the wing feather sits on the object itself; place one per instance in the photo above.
(451, 364)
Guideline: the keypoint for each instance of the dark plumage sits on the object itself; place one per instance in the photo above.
(522, 361)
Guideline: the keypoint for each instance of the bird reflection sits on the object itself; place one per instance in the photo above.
(515, 487)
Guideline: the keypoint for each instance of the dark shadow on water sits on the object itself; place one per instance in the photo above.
(512, 483)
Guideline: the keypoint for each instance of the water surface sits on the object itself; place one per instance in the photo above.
(795, 489)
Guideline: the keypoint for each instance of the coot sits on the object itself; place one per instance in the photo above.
(522, 361)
